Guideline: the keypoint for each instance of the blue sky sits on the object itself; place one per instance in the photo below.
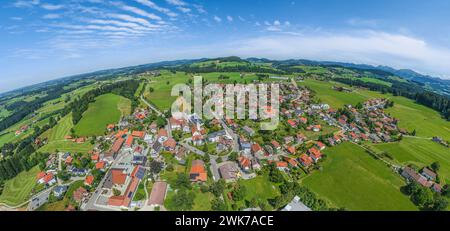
(47, 39)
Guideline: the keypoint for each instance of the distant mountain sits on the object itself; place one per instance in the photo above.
(433, 83)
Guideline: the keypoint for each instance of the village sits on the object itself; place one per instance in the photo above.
(140, 146)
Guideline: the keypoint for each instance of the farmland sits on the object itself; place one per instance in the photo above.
(353, 179)
(105, 110)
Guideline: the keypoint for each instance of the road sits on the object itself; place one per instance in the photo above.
(230, 132)
(151, 106)
(90, 205)
(192, 149)
(39, 199)
(168, 127)
(214, 168)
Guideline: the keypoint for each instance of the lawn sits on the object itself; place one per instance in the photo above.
(162, 85)
(17, 190)
(105, 110)
(419, 152)
(60, 130)
(352, 179)
(335, 99)
(260, 188)
(426, 121)
(66, 146)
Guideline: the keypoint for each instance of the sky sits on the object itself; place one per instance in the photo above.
(42, 40)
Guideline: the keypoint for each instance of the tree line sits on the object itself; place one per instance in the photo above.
(125, 88)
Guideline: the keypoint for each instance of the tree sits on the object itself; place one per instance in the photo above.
(411, 188)
(161, 122)
(446, 190)
(217, 188)
(435, 166)
(239, 192)
(183, 200)
(218, 205)
(423, 197)
(233, 156)
(440, 204)
(151, 89)
(183, 181)
(155, 167)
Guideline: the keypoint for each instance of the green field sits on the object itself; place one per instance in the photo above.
(162, 85)
(426, 121)
(105, 110)
(260, 188)
(351, 178)
(60, 130)
(335, 99)
(66, 146)
(17, 190)
(420, 152)
(374, 80)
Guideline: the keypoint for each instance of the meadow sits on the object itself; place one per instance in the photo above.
(17, 190)
(351, 178)
(107, 109)
(419, 152)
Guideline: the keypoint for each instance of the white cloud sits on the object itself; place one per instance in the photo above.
(184, 9)
(137, 11)
(51, 16)
(369, 47)
(176, 2)
(26, 3)
(129, 18)
(51, 6)
(154, 6)
(229, 18)
(217, 18)
(16, 18)
(276, 23)
(200, 9)
(241, 18)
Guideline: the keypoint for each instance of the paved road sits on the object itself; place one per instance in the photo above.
(168, 127)
(90, 205)
(214, 168)
(192, 149)
(39, 199)
(151, 106)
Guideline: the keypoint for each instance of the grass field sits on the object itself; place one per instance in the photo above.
(66, 146)
(162, 85)
(374, 80)
(105, 110)
(60, 130)
(17, 190)
(334, 98)
(419, 152)
(260, 188)
(353, 179)
(426, 121)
